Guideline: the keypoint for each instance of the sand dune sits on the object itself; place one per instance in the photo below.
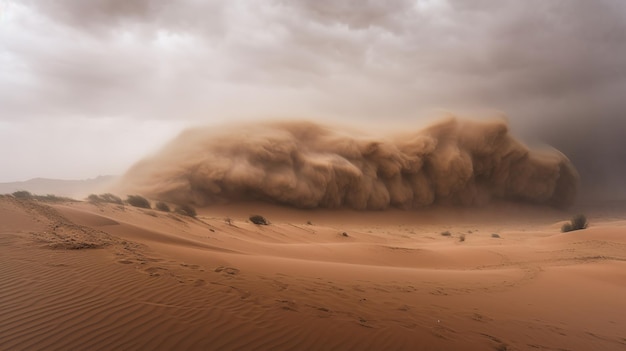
(83, 276)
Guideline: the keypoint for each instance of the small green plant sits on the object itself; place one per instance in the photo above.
(22, 194)
(578, 222)
(138, 201)
(257, 219)
(186, 210)
(162, 206)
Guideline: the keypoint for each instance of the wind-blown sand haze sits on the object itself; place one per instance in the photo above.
(308, 165)
(455, 275)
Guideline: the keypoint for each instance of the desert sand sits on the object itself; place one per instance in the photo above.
(84, 276)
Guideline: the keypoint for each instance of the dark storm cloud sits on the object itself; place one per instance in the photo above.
(556, 68)
(416, 54)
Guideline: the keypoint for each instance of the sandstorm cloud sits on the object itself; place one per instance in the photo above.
(554, 67)
(307, 165)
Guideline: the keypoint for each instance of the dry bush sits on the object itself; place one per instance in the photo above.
(577, 222)
(22, 194)
(93, 198)
(446, 233)
(110, 198)
(52, 198)
(257, 219)
(186, 210)
(162, 206)
(138, 201)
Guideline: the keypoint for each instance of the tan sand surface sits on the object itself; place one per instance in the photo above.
(82, 276)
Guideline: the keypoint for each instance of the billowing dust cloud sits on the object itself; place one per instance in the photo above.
(307, 165)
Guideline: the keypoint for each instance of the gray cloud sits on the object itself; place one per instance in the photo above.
(555, 68)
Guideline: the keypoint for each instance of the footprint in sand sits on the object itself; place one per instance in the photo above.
(153, 271)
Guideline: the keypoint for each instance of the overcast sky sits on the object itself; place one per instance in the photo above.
(89, 87)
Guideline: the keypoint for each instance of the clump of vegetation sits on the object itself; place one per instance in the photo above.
(462, 238)
(162, 206)
(22, 194)
(93, 198)
(108, 198)
(257, 219)
(446, 233)
(25, 195)
(138, 201)
(52, 198)
(577, 222)
(228, 221)
(186, 210)
(494, 235)
(345, 234)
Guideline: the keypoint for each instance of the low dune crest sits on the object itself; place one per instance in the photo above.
(307, 165)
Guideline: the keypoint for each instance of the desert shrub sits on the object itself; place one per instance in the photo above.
(138, 201)
(186, 210)
(566, 227)
(257, 219)
(162, 206)
(494, 235)
(108, 197)
(22, 194)
(446, 233)
(345, 234)
(93, 198)
(462, 238)
(52, 198)
(577, 222)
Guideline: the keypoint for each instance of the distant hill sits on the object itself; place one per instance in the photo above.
(77, 189)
